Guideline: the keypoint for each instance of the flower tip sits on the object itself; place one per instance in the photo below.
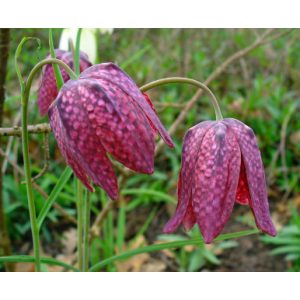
(208, 239)
(151, 170)
(89, 187)
(113, 193)
(208, 235)
(146, 169)
(167, 229)
(171, 144)
(271, 231)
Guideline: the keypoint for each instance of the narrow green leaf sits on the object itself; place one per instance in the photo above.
(196, 261)
(80, 205)
(292, 256)
(77, 53)
(54, 194)
(282, 240)
(58, 76)
(160, 195)
(286, 249)
(31, 259)
(177, 244)
(227, 245)
(110, 231)
(121, 224)
(171, 237)
(135, 57)
(145, 226)
(211, 257)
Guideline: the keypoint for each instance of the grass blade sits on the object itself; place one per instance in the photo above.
(57, 73)
(177, 244)
(77, 53)
(31, 259)
(54, 194)
(286, 250)
(135, 56)
(149, 192)
(121, 225)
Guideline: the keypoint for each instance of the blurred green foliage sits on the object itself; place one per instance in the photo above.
(287, 242)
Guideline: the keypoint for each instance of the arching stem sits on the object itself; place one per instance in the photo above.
(196, 83)
(25, 92)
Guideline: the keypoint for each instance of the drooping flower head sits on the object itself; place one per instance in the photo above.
(105, 112)
(221, 165)
(48, 88)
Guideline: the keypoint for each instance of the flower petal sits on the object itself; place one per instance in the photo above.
(190, 154)
(189, 219)
(152, 106)
(48, 88)
(215, 180)
(123, 130)
(242, 193)
(113, 74)
(68, 153)
(81, 139)
(255, 175)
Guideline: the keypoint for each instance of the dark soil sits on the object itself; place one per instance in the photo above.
(251, 254)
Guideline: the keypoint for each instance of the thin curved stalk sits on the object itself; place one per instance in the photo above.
(77, 53)
(86, 222)
(57, 73)
(80, 203)
(25, 91)
(190, 81)
(31, 204)
(39, 65)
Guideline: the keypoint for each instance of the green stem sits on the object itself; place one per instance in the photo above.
(196, 83)
(39, 65)
(18, 53)
(79, 193)
(86, 222)
(57, 73)
(77, 53)
(25, 91)
(31, 204)
(83, 209)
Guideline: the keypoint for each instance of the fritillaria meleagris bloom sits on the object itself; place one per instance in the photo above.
(48, 88)
(221, 165)
(105, 112)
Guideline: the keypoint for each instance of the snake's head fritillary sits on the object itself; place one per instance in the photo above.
(48, 89)
(104, 112)
(221, 165)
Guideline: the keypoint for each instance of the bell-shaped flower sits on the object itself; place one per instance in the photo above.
(221, 165)
(105, 112)
(48, 88)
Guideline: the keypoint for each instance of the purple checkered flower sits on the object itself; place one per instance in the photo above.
(221, 165)
(104, 112)
(48, 88)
